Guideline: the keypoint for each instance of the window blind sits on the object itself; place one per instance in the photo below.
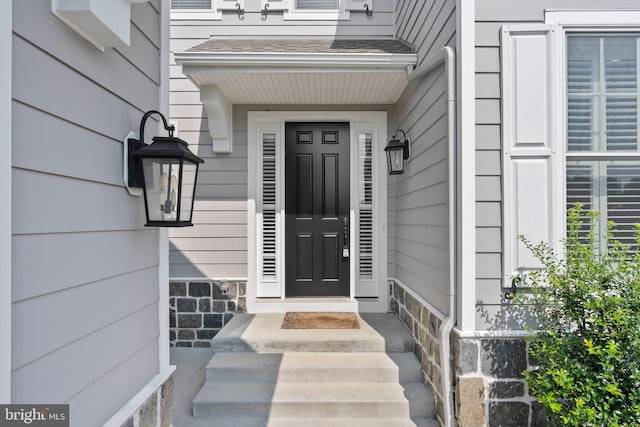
(365, 206)
(317, 4)
(602, 118)
(191, 4)
(269, 195)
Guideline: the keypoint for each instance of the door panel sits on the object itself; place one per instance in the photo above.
(317, 209)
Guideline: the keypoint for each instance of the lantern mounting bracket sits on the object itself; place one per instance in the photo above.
(134, 178)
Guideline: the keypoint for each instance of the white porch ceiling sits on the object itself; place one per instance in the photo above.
(301, 72)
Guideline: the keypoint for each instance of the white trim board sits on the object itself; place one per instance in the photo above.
(5, 211)
(466, 165)
(163, 232)
(129, 408)
(593, 18)
(271, 296)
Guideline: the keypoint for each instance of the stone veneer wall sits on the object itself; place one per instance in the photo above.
(161, 400)
(423, 325)
(490, 388)
(199, 309)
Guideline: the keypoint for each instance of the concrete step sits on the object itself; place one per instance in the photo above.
(321, 422)
(314, 367)
(303, 399)
(261, 333)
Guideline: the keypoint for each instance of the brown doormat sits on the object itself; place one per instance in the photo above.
(316, 320)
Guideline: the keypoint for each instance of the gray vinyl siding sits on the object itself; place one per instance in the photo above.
(85, 269)
(420, 220)
(490, 16)
(216, 247)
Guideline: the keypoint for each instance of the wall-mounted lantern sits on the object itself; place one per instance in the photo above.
(397, 152)
(166, 171)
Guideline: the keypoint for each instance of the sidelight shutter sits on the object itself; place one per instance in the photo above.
(532, 175)
(269, 208)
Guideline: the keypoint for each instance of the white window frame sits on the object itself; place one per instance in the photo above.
(212, 13)
(588, 22)
(342, 13)
(269, 296)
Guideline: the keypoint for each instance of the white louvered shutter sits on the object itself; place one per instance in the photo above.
(269, 212)
(531, 149)
(365, 206)
(269, 183)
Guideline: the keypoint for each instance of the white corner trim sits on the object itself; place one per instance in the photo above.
(5, 211)
(129, 408)
(219, 118)
(466, 165)
(103, 24)
(163, 232)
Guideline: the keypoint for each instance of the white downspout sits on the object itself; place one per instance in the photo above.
(447, 55)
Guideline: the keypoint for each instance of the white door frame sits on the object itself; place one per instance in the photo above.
(366, 295)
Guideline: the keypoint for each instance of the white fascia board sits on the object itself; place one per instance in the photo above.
(266, 60)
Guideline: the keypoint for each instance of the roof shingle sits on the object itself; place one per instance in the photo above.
(302, 46)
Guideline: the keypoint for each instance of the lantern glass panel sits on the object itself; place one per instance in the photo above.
(189, 173)
(161, 178)
(396, 161)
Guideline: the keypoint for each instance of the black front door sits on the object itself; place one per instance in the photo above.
(317, 209)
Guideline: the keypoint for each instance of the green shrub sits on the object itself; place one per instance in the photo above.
(587, 346)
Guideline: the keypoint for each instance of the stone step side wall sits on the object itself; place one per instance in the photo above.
(424, 326)
(199, 309)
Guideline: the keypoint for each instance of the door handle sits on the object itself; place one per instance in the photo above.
(345, 237)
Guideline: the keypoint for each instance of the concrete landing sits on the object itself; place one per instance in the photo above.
(261, 333)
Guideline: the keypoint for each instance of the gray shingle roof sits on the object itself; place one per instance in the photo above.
(302, 46)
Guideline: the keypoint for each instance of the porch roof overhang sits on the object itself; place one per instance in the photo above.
(301, 71)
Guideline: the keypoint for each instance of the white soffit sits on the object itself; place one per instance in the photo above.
(301, 75)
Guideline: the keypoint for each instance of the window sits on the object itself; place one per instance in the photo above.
(316, 4)
(603, 156)
(191, 4)
(203, 9)
(569, 140)
(317, 9)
